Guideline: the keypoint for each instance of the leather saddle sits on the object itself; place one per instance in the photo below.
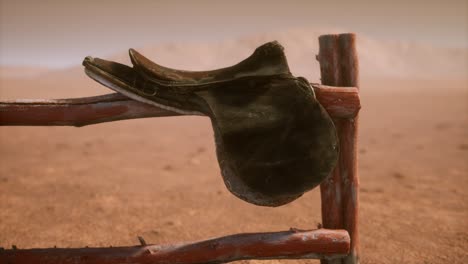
(274, 141)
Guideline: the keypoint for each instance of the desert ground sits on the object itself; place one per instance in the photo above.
(158, 178)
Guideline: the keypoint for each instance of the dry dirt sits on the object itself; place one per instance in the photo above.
(158, 178)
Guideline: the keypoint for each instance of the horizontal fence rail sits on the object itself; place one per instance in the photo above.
(340, 102)
(293, 244)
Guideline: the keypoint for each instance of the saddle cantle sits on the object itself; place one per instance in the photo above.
(274, 141)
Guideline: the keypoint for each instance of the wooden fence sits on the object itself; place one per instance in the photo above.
(338, 240)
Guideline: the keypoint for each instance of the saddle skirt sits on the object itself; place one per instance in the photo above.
(274, 141)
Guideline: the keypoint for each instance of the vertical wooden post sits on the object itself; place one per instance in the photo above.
(339, 192)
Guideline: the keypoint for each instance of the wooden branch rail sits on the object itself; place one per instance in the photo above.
(293, 244)
(339, 102)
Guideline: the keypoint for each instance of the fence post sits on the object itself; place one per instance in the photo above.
(340, 191)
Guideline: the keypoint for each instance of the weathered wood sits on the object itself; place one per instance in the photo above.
(340, 198)
(75, 112)
(349, 62)
(331, 187)
(338, 102)
(320, 243)
(350, 185)
(349, 163)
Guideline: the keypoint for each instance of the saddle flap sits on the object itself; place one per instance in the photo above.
(274, 141)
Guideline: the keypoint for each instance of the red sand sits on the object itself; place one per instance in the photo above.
(158, 178)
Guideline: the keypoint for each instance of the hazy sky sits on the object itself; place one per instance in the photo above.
(61, 33)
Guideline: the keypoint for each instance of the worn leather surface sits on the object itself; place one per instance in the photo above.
(274, 141)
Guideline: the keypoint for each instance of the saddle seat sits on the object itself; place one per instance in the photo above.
(267, 60)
